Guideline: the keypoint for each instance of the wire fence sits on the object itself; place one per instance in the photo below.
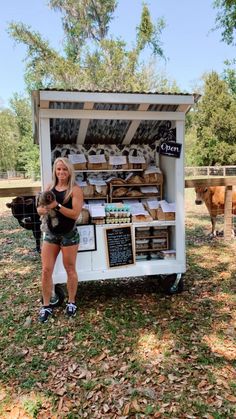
(210, 171)
(198, 171)
(15, 174)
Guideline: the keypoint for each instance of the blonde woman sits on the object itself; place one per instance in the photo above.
(64, 236)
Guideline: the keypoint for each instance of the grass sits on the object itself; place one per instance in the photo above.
(132, 352)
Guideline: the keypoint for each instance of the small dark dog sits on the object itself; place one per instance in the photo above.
(44, 199)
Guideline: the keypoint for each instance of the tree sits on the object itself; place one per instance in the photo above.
(229, 75)
(83, 20)
(226, 19)
(92, 59)
(9, 137)
(215, 122)
(27, 158)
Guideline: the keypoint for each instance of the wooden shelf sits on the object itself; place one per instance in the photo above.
(135, 185)
(150, 250)
(108, 170)
(153, 195)
(95, 197)
(151, 237)
(134, 197)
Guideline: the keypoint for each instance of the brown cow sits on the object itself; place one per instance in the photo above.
(214, 198)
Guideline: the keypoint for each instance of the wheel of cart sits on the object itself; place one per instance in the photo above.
(58, 296)
(172, 284)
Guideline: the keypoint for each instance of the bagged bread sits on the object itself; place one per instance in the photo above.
(134, 193)
(135, 179)
(120, 192)
(117, 181)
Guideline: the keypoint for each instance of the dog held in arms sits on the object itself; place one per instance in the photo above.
(44, 199)
(214, 199)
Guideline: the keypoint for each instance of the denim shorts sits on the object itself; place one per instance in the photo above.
(69, 239)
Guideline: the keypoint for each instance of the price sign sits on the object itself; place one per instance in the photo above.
(120, 249)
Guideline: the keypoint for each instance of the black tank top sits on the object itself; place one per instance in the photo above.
(65, 224)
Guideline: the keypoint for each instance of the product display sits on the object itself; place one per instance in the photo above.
(117, 213)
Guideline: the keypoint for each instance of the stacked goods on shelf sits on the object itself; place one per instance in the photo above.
(150, 241)
(97, 162)
(161, 210)
(166, 211)
(78, 160)
(153, 175)
(168, 254)
(136, 162)
(97, 213)
(118, 163)
(117, 213)
(139, 214)
(142, 218)
(137, 186)
(84, 217)
(88, 190)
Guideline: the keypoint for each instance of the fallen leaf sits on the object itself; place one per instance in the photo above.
(126, 409)
(231, 398)
(135, 405)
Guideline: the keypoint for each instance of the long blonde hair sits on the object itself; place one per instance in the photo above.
(71, 179)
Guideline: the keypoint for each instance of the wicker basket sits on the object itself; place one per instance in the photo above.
(97, 166)
(88, 191)
(165, 216)
(101, 190)
(137, 166)
(153, 178)
(80, 166)
(84, 217)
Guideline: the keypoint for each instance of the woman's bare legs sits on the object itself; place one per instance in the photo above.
(69, 255)
(48, 255)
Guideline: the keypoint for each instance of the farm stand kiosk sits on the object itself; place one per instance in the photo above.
(128, 153)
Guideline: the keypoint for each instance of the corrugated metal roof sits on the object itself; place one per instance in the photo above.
(107, 117)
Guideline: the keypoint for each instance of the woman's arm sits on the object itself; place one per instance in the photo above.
(77, 204)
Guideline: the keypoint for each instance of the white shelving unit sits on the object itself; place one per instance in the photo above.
(135, 111)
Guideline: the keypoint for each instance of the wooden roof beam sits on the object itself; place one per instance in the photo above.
(84, 123)
(111, 114)
(134, 126)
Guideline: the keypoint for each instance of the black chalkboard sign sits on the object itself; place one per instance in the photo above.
(120, 250)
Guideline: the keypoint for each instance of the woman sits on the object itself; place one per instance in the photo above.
(64, 236)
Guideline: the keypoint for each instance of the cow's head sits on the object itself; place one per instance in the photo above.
(19, 200)
(201, 193)
(19, 207)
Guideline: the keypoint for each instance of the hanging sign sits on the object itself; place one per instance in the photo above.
(170, 148)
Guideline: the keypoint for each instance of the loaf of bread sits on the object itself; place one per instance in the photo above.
(135, 179)
(117, 181)
(120, 192)
(134, 192)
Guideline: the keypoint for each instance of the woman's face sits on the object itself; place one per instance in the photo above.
(62, 172)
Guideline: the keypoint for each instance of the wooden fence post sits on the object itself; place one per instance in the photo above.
(228, 213)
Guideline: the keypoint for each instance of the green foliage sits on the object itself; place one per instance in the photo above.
(83, 20)
(9, 136)
(229, 75)
(226, 19)
(27, 159)
(149, 34)
(215, 123)
(92, 60)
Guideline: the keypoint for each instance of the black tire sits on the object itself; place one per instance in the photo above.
(167, 282)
